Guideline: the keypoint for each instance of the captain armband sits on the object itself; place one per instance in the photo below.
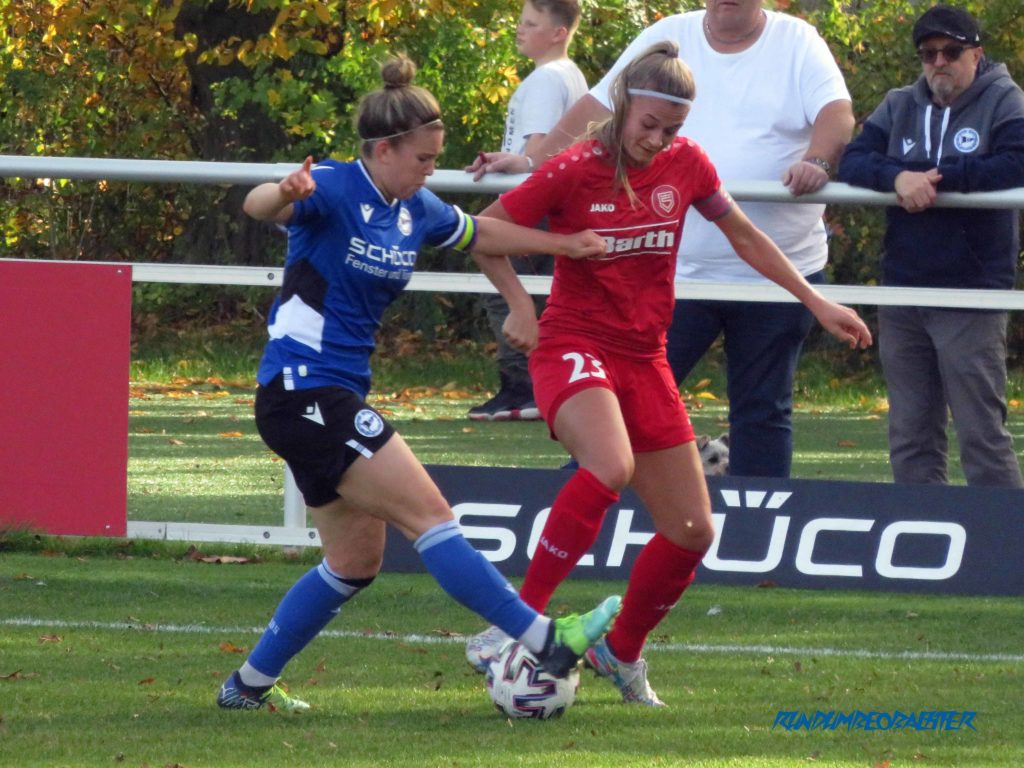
(715, 206)
(467, 239)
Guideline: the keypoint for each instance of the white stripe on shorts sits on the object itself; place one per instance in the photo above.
(357, 446)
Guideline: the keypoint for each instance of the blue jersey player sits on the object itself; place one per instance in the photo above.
(354, 230)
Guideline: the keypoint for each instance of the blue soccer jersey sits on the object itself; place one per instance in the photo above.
(350, 254)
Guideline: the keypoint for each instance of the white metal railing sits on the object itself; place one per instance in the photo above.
(455, 181)
(203, 172)
(294, 531)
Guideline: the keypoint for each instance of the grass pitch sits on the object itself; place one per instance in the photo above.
(111, 652)
(114, 660)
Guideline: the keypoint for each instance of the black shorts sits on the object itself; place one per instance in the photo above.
(319, 432)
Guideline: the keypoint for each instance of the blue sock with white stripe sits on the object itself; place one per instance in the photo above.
(306, 609)
(472, 580)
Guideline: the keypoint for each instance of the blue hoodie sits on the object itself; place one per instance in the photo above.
(977, 144)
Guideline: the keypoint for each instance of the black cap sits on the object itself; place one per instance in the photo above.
(948, 21)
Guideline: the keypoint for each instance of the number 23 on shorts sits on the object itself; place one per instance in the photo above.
(584, 366)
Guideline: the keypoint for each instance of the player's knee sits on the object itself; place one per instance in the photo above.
(614, 470)
(694, 532)
(357, 564)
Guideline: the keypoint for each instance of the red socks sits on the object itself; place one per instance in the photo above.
(660, 575)
(572, 527)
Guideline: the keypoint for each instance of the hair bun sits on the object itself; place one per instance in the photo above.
(398, 71)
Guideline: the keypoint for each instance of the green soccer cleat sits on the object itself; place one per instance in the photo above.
(571, 636)
(234, 694)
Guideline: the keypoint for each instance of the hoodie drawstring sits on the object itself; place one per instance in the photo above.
(928, 133)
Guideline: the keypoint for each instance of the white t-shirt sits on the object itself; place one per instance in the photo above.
(753, 116)
(540, 101)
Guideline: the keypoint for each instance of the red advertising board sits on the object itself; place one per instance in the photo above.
(65, 335)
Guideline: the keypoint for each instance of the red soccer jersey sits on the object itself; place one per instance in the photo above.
(624, 299)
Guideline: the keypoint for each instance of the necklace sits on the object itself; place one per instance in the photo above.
(742, 39)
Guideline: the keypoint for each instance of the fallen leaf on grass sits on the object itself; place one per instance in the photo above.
(50, 639)
(147, 681)
(174, 441)
(193, 553)
(230, 434)
(15, 675)
(846, 443)
(228, 647)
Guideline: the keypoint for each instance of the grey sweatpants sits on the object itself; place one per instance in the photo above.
(937, 361)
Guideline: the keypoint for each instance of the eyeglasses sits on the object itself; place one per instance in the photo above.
(950, 53)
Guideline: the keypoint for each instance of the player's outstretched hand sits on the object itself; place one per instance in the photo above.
(299, 184)
(497, 162)
(584, 245)
(845, 324)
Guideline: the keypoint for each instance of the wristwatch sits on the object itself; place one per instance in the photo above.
(821, 162)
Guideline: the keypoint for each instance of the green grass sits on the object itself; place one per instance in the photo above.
(194, 454)
(111, 651)
(389, 685)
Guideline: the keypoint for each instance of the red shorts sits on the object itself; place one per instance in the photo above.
(648, 397)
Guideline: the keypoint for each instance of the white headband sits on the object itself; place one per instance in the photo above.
(659, 95)
(436, 121)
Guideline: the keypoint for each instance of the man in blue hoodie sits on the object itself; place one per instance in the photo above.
(959, 128)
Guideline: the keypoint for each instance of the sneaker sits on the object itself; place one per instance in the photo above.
(630, 679)
(512, 403)
(481, 648)
(526, 410)
(236, 695)
(570, 636)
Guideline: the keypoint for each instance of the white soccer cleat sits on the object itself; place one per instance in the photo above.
(483, 647)
(630, 679)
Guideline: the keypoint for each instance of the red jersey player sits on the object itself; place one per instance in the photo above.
(601, 379)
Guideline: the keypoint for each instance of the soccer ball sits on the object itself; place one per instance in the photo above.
(519, 687)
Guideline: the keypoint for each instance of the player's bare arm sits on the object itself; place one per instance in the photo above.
(758, 250)
(273, 201)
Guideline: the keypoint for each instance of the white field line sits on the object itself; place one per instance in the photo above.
(763, 650)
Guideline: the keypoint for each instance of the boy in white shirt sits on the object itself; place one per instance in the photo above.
(545, 30)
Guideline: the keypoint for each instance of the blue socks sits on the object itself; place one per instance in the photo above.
(472, 580)
(306, 609)
(316, 598)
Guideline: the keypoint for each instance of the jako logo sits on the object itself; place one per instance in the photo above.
(561, 554)
(602, 208)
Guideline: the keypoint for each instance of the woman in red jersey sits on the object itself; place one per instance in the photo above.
(597, 359)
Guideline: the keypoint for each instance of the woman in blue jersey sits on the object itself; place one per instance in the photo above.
(353, 233)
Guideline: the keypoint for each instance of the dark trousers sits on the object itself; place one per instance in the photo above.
(512, 363)
(762, 346)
